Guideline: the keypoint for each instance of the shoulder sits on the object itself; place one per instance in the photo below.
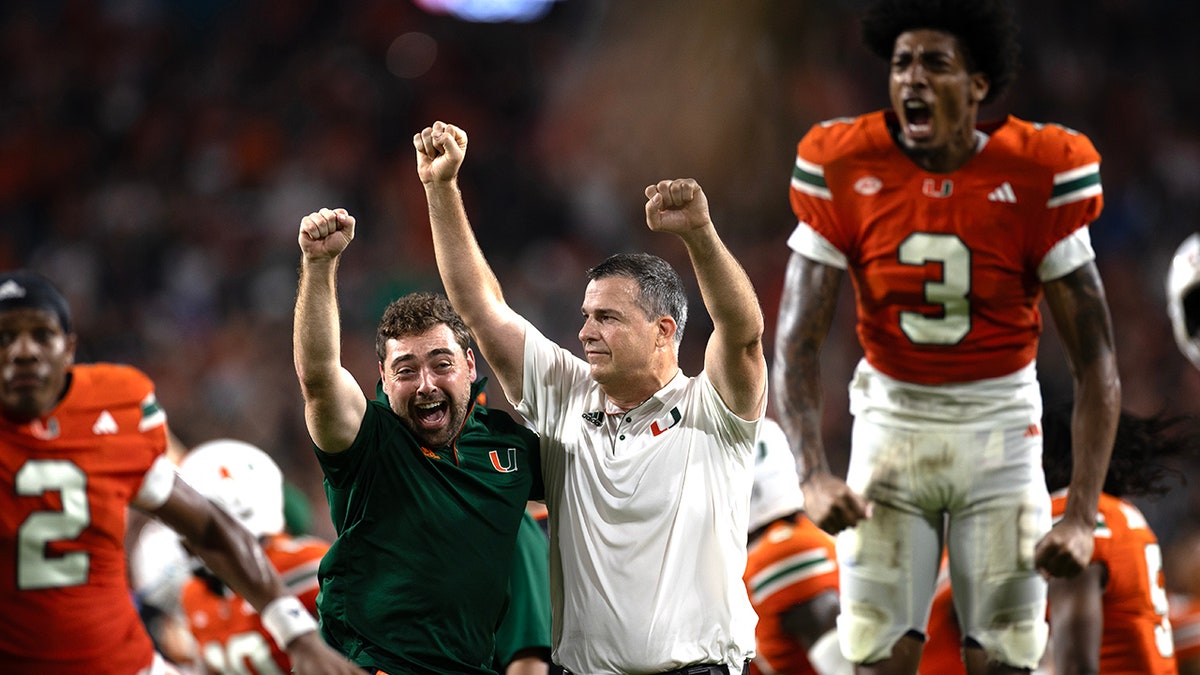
(843, 137)
(1053, 146)
(113, 380)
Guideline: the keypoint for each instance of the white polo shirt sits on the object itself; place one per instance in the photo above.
(648, 515)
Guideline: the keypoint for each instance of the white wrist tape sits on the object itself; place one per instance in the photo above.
(286, 619)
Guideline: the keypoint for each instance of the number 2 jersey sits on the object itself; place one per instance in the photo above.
(228, 630)
(947, 268)
(65, 482)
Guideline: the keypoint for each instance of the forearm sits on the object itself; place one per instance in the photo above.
(728, 294)
(236, 557)
(805, 317)
(1094, 420)
(470, 283)
(316, 331)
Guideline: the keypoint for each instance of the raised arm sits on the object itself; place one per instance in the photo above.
(810, 294)
(235, 556)
(470, 284)
(1081, 315)
(334, 404)
(734, 356)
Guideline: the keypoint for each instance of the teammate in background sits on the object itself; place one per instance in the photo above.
(648, 470)
(523, 639)
(791, 570)
(1183, 309)
(1112, 617)
(426, 487)
(1182, 566)
(248, 485)
(952, 233)
(78, 445)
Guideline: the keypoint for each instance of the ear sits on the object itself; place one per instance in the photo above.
(666, 327)
(72, 343)
(979, 86)
(471, 363)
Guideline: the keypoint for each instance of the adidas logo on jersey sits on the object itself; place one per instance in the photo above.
(1004, 194)
(105, 424)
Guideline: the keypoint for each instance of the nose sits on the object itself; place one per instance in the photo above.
(425, 381)
(913, 74)
(587, 332)
(23, 346)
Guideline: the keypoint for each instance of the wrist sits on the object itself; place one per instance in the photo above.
(286, 619)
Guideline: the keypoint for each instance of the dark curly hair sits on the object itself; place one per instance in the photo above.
(986, 30)
(416, 313)
(1137, 467)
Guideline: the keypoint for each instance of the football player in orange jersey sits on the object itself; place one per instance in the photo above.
(1183, 309)
(1182, 567)
(952, 232)
(1111, 618)
(791, 570)
(246, 482)
(78, 445)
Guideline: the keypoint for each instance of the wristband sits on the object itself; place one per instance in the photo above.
(286, 619)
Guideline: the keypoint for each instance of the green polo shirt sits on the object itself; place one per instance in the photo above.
(417, 578)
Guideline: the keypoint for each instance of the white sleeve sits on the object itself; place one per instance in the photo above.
(156, 485)
(808, 243)
(1069, 254)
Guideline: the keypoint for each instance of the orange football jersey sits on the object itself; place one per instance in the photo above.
(945, 266)
(943, 638)
(1185, 625)
(1137, 634)
(229, 634)
(65, 603)
(787, 566)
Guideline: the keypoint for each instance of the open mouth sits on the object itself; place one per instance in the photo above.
(918, 119)
(432, 414)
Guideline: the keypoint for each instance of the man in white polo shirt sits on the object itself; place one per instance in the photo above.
(647, 471)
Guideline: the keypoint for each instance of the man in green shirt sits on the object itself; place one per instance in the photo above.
(426, 487)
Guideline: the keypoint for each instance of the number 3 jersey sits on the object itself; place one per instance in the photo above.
(947, 268)
(66, 481)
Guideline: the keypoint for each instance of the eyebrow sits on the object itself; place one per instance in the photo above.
(409, 356)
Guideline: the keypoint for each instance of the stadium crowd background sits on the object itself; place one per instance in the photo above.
(156, 157)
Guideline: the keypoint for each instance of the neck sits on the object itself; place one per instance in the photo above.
(629, 397)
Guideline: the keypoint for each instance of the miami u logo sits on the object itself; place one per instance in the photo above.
(657, 429)
(504, 468)
(930, 188)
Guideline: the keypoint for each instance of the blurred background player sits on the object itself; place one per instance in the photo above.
(245, 482)
(791, 570)
(1183, 309)
(1182, 567)
(1112, 617)
(952, 232)
(79, 444)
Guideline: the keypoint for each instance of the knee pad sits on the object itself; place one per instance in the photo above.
(1019, 644)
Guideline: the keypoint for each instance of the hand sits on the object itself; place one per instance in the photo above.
(831, 504)
(440, 152)
(326, 233)
(677, 206)
(311, 656)
(1065, 550)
